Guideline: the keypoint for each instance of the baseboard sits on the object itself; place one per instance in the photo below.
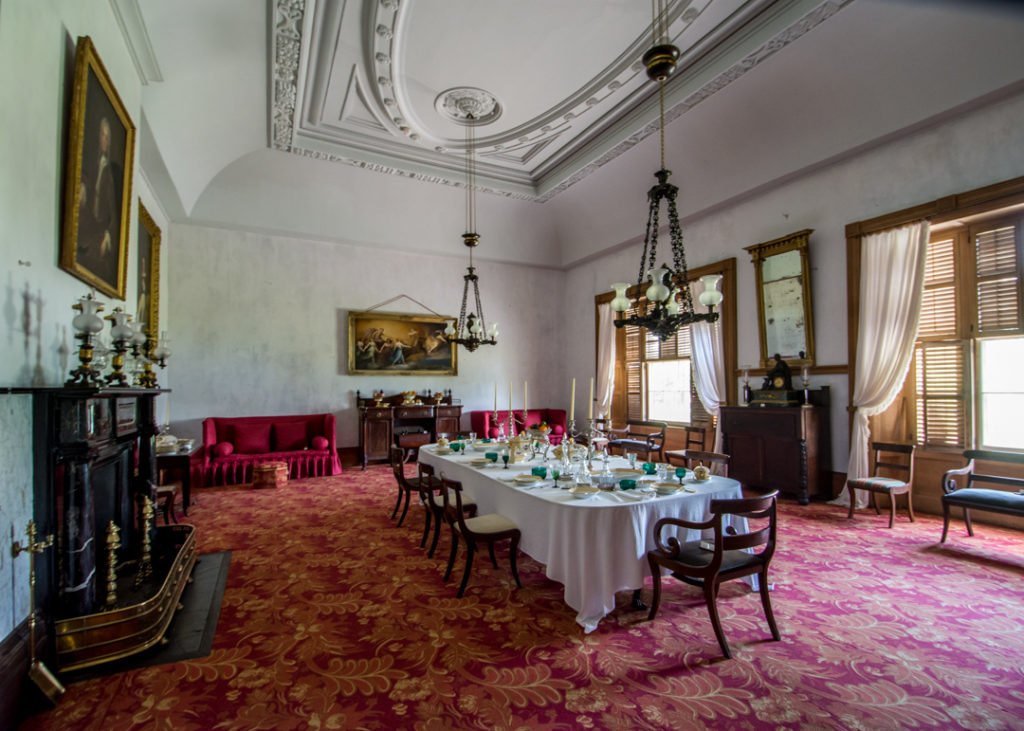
(19, 697)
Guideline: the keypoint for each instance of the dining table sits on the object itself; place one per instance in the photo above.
(594, 546)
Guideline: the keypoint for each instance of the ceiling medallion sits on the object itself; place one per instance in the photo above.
(468, 105)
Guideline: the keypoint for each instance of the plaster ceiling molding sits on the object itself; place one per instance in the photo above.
(672, 112)
(361, 87)
(286, 42)
(136, 38)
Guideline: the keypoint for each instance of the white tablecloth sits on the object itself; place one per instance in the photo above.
(595, 546)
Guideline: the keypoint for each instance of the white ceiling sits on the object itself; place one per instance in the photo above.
(353, 85)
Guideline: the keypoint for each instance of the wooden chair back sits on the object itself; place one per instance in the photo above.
(717, 462)
(894, 458)
(696, 436)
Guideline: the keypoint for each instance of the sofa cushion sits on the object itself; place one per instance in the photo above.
(252, 438)
(223, 449)
(320, 443)
(290, 436)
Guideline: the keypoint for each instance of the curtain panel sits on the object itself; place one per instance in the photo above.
(891, 286)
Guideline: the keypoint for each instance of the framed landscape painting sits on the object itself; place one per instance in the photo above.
(392, 343)
(97, 178)
(147, 310)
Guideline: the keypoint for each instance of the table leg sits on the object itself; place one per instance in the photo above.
(186, 488)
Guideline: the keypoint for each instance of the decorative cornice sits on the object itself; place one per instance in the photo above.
(287, 44)
(287, 41)
(136, 38)
(749, 62)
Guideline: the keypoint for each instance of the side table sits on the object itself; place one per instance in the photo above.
(180, 462)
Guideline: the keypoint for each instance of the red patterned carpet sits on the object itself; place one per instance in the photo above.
(335, 619)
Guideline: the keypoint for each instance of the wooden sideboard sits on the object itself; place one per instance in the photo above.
(784, 448)
(394, 423)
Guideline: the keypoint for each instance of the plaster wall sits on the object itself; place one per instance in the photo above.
(37, 41)
(975, 149)
(262, 326)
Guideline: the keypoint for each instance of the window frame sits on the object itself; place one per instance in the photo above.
(727, 319)
(987, 205)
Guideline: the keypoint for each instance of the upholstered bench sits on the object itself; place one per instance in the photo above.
(233, 447)
(971, 497)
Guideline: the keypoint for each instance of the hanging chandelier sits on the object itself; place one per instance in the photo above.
(468, 331)
(669, 303)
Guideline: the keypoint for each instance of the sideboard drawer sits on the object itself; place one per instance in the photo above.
(414, 412)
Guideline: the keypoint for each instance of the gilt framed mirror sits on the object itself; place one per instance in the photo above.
(783, 276)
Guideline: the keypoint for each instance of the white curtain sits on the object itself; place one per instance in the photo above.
(708, 362)
(605, 384)
(891, 283)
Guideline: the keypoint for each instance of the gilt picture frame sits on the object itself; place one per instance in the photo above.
(389, 343)
(97, 178)
(147, 308)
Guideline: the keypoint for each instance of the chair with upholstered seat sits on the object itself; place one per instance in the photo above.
(732, 555)
(430, 496)
(886, 455)
(717, 462)
(645, 438)
(489, 529)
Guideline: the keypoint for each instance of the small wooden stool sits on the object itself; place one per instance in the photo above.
(165, 497)
(270, 474)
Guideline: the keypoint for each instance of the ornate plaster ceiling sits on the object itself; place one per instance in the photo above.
(364, 82)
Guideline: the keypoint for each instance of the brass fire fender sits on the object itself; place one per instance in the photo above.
(105, 636)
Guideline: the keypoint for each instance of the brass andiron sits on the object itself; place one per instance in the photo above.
(146, 561)
(38, 673)
(113, 543)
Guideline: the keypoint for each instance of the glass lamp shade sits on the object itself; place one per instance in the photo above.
(673, 303)
(121, 331)
(657, 292)
(473, 325)
(138, 337)
(450, 328)
(711, 297)
(620, 303)
(492, 331)
(88, 321)
(162, 351)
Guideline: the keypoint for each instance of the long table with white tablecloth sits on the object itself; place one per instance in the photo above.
(594, 546)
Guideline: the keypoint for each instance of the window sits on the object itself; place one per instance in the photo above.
(970, 338)
(654, 379)
(659, 382)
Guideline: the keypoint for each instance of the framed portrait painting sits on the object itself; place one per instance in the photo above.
(393, 343)
(97, 178)
(147, 310)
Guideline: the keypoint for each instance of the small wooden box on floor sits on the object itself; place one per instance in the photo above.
(270, 474)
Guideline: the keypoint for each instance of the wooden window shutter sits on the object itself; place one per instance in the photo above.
(941, 401)
(634, 370)
(938, 303)
(998, 276)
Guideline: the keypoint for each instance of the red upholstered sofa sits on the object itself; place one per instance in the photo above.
(233, 446)
(480, 422)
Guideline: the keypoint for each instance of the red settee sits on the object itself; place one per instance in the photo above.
(233, 446)
(480, 421)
